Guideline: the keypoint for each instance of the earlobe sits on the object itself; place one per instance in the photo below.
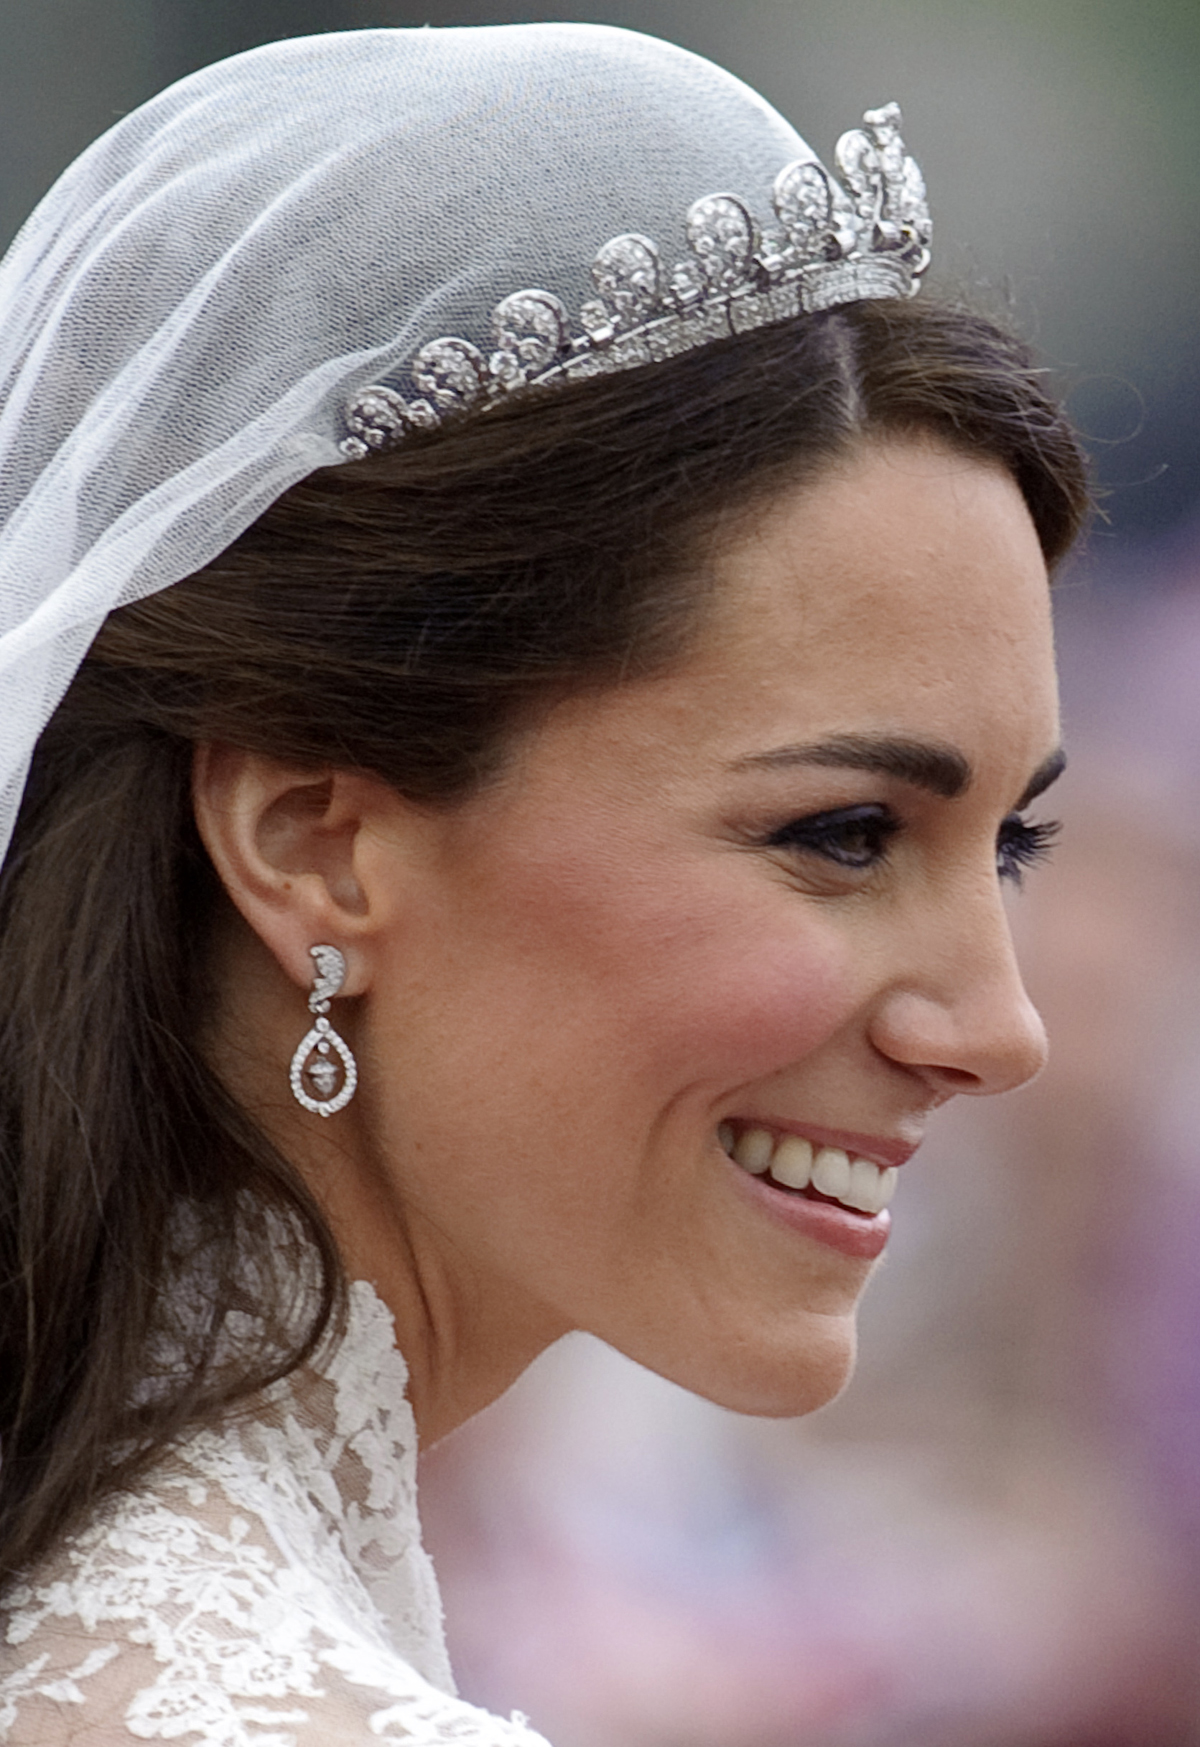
(283, 841)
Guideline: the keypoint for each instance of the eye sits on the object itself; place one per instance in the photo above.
(855, 837)
(1021, 845)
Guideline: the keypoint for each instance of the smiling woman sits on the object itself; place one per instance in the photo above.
(757, 889)
(625, 760)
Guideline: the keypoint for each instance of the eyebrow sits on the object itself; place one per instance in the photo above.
(1047, 772)
(924, 764)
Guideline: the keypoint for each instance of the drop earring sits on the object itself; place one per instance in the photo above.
(323, 1064)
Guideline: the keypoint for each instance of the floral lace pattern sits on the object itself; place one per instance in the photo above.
(266, 1586)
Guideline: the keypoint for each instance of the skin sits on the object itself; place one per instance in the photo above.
(558, 988)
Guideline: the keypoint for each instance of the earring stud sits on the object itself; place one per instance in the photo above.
(324, 1073)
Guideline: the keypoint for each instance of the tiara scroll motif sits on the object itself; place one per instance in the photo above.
(836, 242)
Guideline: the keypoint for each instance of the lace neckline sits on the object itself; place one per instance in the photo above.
(331, 1450)
(346, 1431)
(264, 1586)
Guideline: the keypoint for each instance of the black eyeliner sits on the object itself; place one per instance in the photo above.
(855, 837)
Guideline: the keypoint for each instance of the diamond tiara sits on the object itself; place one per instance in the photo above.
(834, 244)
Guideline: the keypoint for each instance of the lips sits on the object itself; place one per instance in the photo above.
(815, 1172)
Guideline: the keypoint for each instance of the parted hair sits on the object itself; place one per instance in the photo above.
(399, 615)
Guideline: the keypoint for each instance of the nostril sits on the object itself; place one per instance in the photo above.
(958, 1080)
(977, 1038)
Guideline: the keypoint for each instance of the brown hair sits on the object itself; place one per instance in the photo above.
(398, 616)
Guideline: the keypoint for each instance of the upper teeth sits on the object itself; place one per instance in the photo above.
(794, 1162)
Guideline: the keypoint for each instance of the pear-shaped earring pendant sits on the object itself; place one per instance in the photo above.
(324, 1073)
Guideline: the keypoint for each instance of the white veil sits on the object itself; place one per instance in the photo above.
(184, 316)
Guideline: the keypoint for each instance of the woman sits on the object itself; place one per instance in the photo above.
(615, 713)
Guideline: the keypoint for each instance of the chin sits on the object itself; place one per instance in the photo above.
(790, 1380)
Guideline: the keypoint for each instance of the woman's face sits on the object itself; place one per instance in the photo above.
(762, 895)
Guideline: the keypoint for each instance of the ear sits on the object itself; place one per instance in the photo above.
(298, 853)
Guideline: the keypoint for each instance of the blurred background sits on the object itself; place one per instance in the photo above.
(993, 1539)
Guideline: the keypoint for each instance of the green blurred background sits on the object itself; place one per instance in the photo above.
(1057, 138)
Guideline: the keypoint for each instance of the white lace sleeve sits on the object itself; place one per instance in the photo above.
(265, 1588)
(184, 1626)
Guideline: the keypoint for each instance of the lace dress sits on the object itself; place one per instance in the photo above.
(265, 1587)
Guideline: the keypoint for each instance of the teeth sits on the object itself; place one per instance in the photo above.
(831, 1173)
(753, 1151)
(865, 1186)
(793, 1162)
(863, 1189)
(855, 1182)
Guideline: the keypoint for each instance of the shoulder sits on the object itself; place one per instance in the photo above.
(71, 1691)
(177, 1616)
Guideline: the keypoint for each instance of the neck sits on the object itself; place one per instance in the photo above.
(464, 1339)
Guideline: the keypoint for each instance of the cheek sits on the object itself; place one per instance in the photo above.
(702, 972)
(751, 1001)
(564, 984)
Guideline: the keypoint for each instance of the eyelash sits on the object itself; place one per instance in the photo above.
(833, 835)
(1020, 846)
(857, 837)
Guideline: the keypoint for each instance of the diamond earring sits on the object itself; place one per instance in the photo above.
(323, 1064)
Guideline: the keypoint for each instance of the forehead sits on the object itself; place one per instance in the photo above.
(907, 578)
(902, 594)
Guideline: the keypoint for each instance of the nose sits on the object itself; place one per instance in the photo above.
(957, 1013)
